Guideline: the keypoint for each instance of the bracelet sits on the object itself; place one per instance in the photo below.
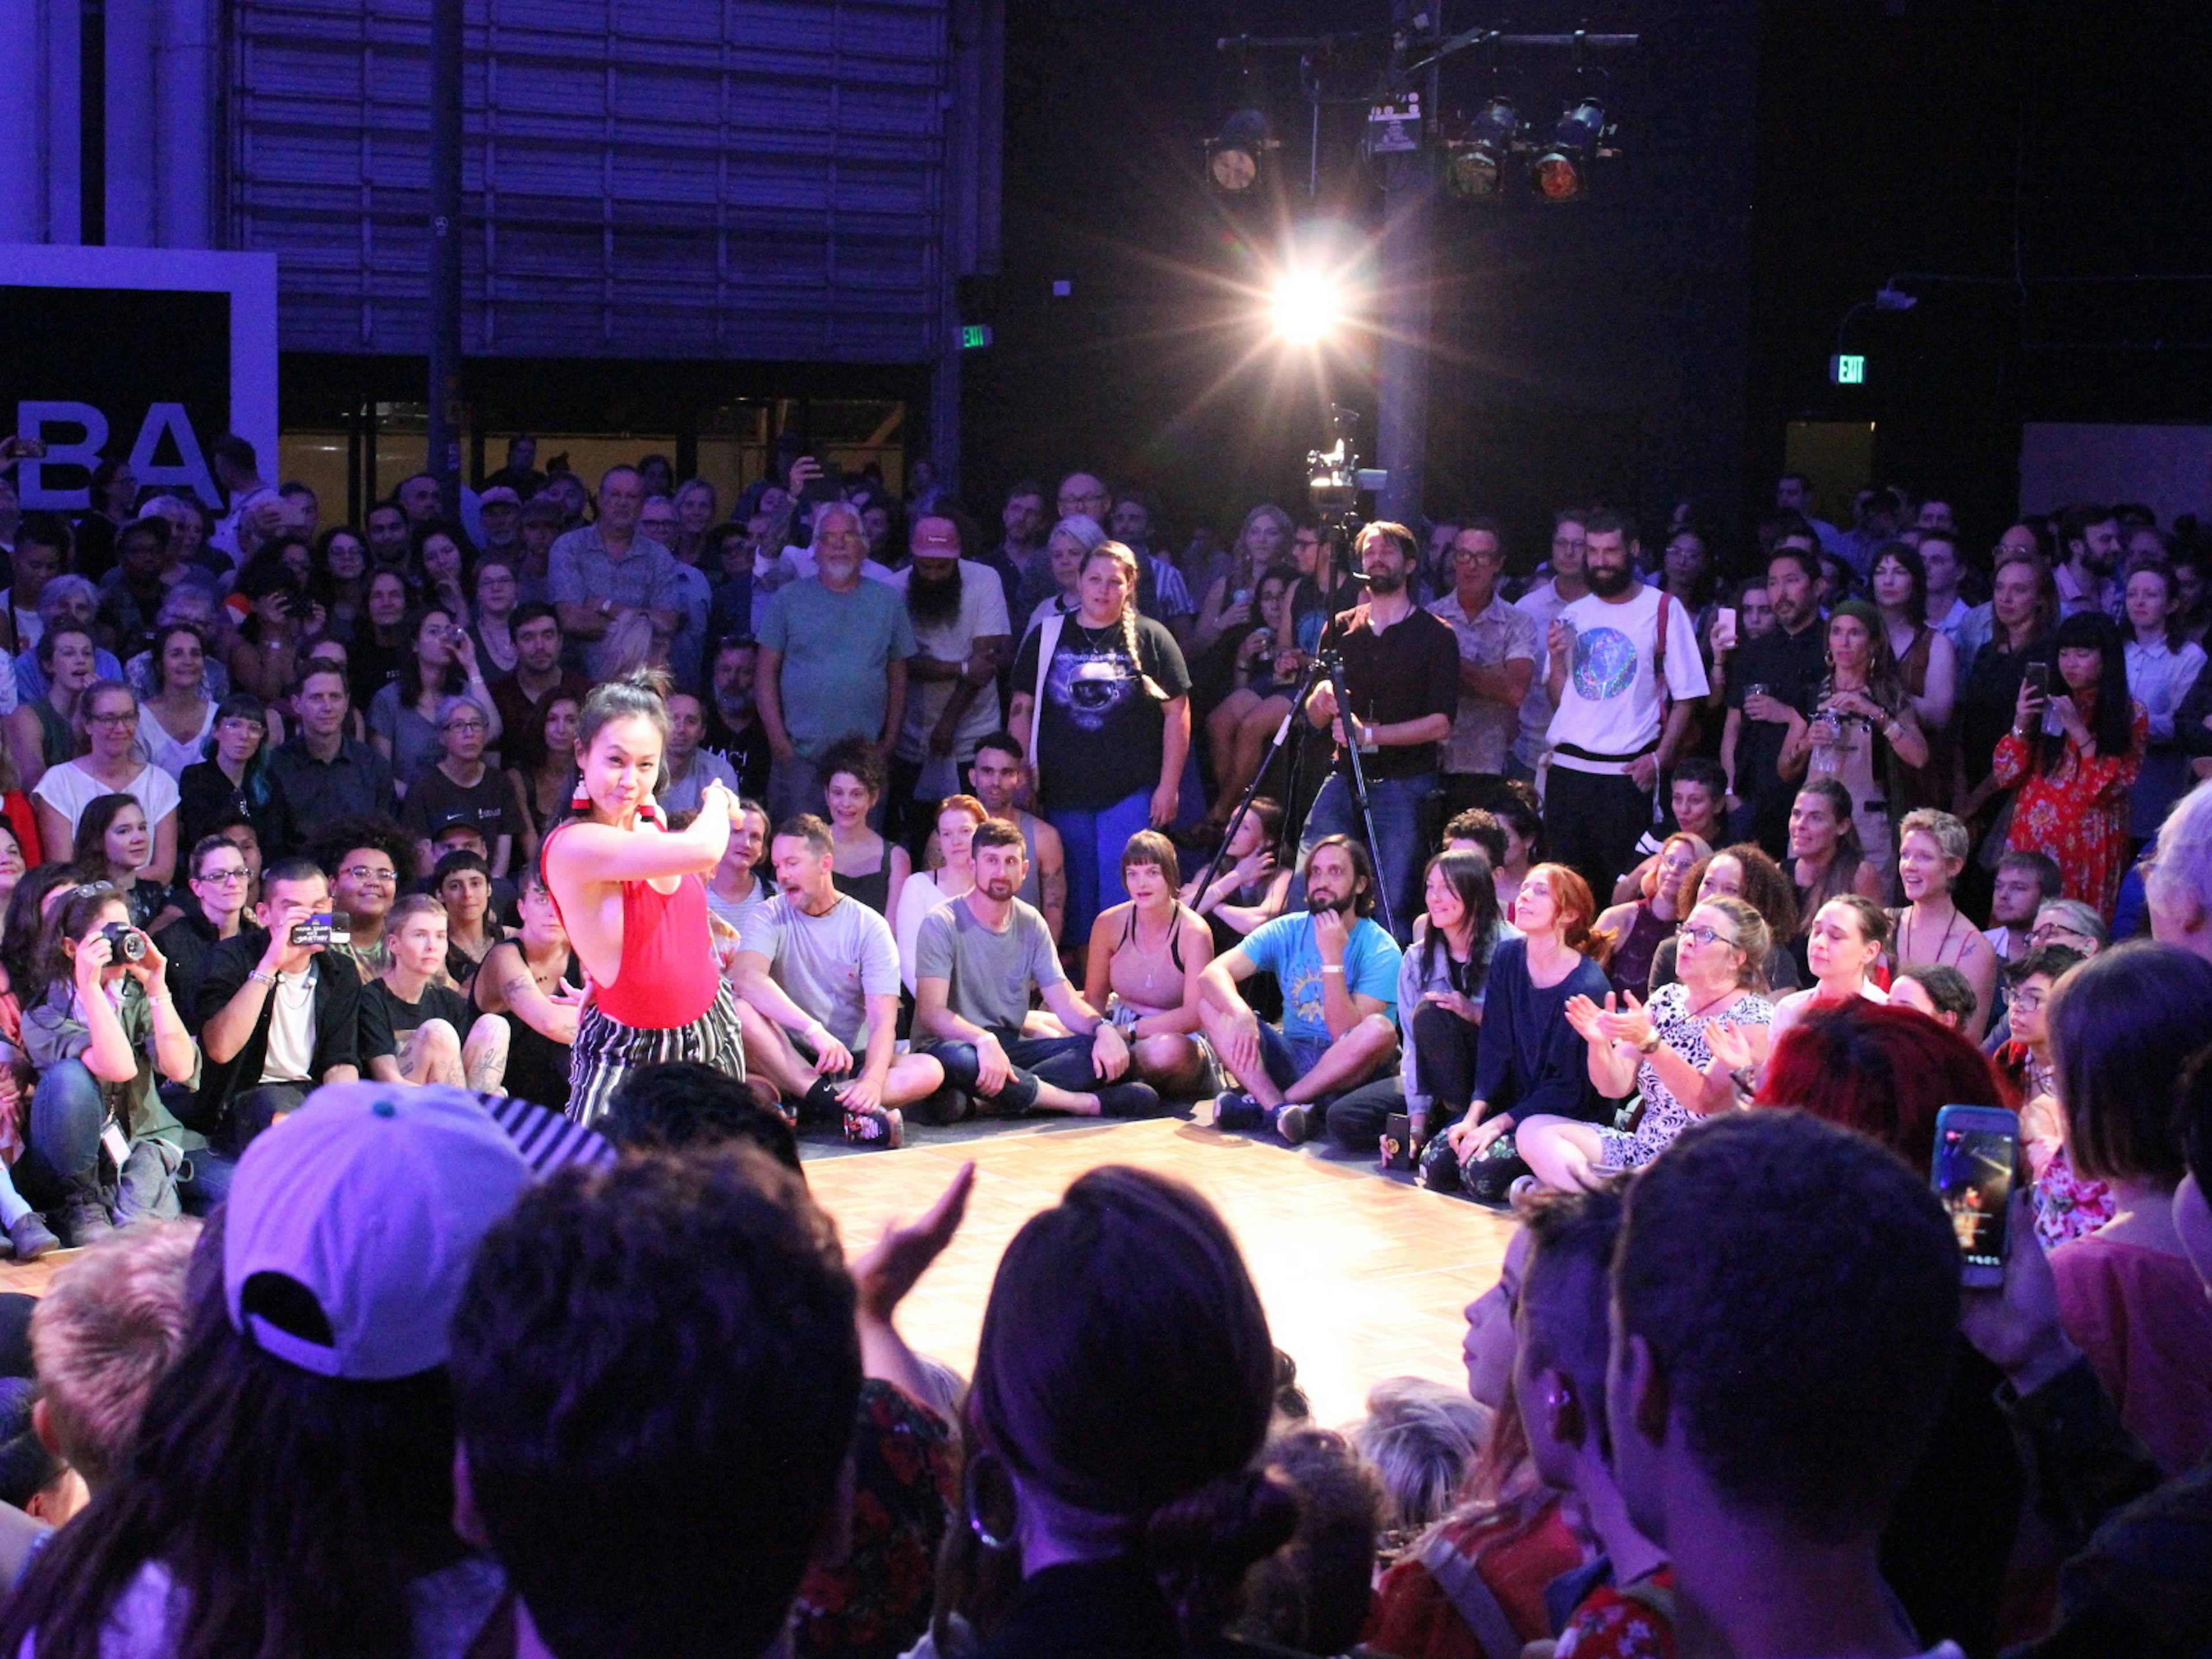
(1337, 968)
(1746, 1084)
(266, 979)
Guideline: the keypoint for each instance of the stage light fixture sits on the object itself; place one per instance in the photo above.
(1475, 164)
(1235, 160)
(1307, 308)
(1562, 167)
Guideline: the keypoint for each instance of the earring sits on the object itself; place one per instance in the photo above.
(971, 1480)
(580, 800)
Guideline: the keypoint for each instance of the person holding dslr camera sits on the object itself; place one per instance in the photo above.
(106, 1026)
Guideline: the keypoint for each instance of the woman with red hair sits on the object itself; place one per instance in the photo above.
(1885, 1072)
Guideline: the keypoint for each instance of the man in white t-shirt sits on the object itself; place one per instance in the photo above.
(1614, 730)
(957, 610)
(824, 966)
(1559, 585)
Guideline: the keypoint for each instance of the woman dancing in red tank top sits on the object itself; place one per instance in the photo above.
(633, 897)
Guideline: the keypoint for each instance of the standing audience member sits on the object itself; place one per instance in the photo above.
(1764, 1423)
(534, 980)
(869, 867)
(1624, 673)
(1862, 726)
(1927, 666)
(110, 766)
(958, 614)
(2162, 665)
(1771, 686)
(608, 572)
(2023, 609)
(1144, 967)
(977, 961)
(1339, 974)
(1395, 706)
(2072, 800)
(832, 664)
(1102, 699)
(1496, 666)
(1559, 582)
(1532, 1066)
(2122, 1027)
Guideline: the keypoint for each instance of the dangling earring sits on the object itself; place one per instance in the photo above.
(581, 800)
(978, 1463)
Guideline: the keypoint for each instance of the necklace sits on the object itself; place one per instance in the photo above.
(1710, 1003)
(1904, 941)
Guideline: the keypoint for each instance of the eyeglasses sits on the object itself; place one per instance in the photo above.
(92, 889)
(239, 874)
(112, 720)
(365, 873)
(465, 726)
(1702, 936)
(236, 723)
(2023, 1002)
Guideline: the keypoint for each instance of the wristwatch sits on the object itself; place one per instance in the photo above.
(1650, 1044)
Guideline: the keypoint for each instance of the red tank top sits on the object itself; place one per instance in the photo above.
(668, 976)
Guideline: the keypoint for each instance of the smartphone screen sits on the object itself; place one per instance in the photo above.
(1973, 1177)
(2039, 678)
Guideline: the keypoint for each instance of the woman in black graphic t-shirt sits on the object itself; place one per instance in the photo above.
(1109, 735)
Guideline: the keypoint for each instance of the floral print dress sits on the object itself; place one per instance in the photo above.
(2077, 812)
(1664, 1116)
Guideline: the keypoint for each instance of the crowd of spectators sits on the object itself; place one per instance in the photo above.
(1656, 898)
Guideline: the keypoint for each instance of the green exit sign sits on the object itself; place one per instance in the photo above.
(1847, 369)
(974, 336)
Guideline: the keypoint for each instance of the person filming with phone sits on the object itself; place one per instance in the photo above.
(274, 1026)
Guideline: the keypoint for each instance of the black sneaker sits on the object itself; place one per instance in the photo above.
(32, 1237)
(1127, 1100)
(875, 1126)
(1237, 1113)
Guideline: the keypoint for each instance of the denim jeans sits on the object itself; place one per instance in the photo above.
(67, 1113)
(1064, 1062)
(1092, 840)
(1396, 803)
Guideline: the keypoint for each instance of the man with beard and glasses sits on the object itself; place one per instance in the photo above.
(1774, 676)
(957, 610)
(733, 726)
(1400, 690)
(1338, 972)
(1617, 657)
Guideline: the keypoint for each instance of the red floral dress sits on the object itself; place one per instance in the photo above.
(2077, 812)
(1617, 1623)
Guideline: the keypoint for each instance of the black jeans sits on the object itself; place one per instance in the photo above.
(1445, 1047)
(1064, 1062)
(1591, 823)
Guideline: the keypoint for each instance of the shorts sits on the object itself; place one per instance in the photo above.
(607, 1051)
(1288, 1058)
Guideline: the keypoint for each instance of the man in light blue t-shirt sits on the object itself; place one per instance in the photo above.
(833, 653)
(1338, 971)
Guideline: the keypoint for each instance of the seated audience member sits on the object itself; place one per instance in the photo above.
(977, 960)
(460, 833)
(1247, 889)
(534, 980)
(1942, 994)
(957, 817)
(1769, 1484)
(103, 1034)
(1146, 960)
(1743, 871)
(367, 860)
(1885, 1073)
(292, 1487)
(219, 879)
(463, 886)
(1663, 1051)
(998, 777)
(1312, 1595)
(1561, 1330)
(1484, 1567)
(723, 1407)
(1123, 1390)
(1532, 1064)
(1523, 820)
(110, 766)
(109, 1326)
(2070, 923)
(111, 846)
(459, 782)
(687, 767)
(822, 966)
(328, 773)
(1638, 926)
(1842, 947)
(1826, 855)
(1697, 792)
(1441, 983)
(1421, 1438)
(868, 868)
(540, 756)
(735, 890)
(685, 1106)
(275, 1021)
(2178, 887)
(414, 1029)
(236, 779)
(1928, 931)
(1339, 973)
(2025, 883)
(2068, 1204)
(2122, 1027)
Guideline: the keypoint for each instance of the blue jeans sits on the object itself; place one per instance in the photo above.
(1399, 856)
(1064, 1062)
(67, 1113)
(1092, 840)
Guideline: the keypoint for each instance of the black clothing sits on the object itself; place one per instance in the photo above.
(188, 942)
(747, 751)
(386, 1017)
(356, 782)
(1099, 731)
(1791, 667)
(1090, 1610)
(206, 798)
(1988, 698)
(337, 1014)
(537, 1066)
(436, 802)
(1409, 671)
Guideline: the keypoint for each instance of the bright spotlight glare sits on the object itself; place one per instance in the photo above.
(1307, 309)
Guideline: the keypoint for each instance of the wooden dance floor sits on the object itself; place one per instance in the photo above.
(1363, 1278)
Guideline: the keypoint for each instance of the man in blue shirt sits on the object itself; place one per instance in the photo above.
(1338, 971)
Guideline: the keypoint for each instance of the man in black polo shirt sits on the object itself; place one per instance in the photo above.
(1786, 666)
(326, 774)
(1401, 688)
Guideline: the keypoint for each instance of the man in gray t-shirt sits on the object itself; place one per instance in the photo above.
(824, 969)
(977, 961)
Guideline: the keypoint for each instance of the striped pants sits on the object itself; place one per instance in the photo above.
(607, 1051)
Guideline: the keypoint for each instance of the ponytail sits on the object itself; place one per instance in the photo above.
(1200, 1542)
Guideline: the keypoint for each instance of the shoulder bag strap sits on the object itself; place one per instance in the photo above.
(1459, 1578)
(1049, 632)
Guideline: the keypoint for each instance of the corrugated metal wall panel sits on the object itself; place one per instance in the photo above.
(718, 178)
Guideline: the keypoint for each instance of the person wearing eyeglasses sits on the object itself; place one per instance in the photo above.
(110, 708)
(220, 883)
(236, 780)
(368, 861)
(462, 782)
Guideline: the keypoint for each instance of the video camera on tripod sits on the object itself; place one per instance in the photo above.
(1334, 477)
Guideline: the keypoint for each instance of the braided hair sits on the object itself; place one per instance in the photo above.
(1128, 559)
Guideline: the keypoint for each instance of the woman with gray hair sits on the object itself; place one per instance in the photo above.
(1065, 549)
(460, 788)
(1420, 1438)
(64, 602)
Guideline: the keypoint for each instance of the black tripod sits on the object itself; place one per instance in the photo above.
(1327, 666)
